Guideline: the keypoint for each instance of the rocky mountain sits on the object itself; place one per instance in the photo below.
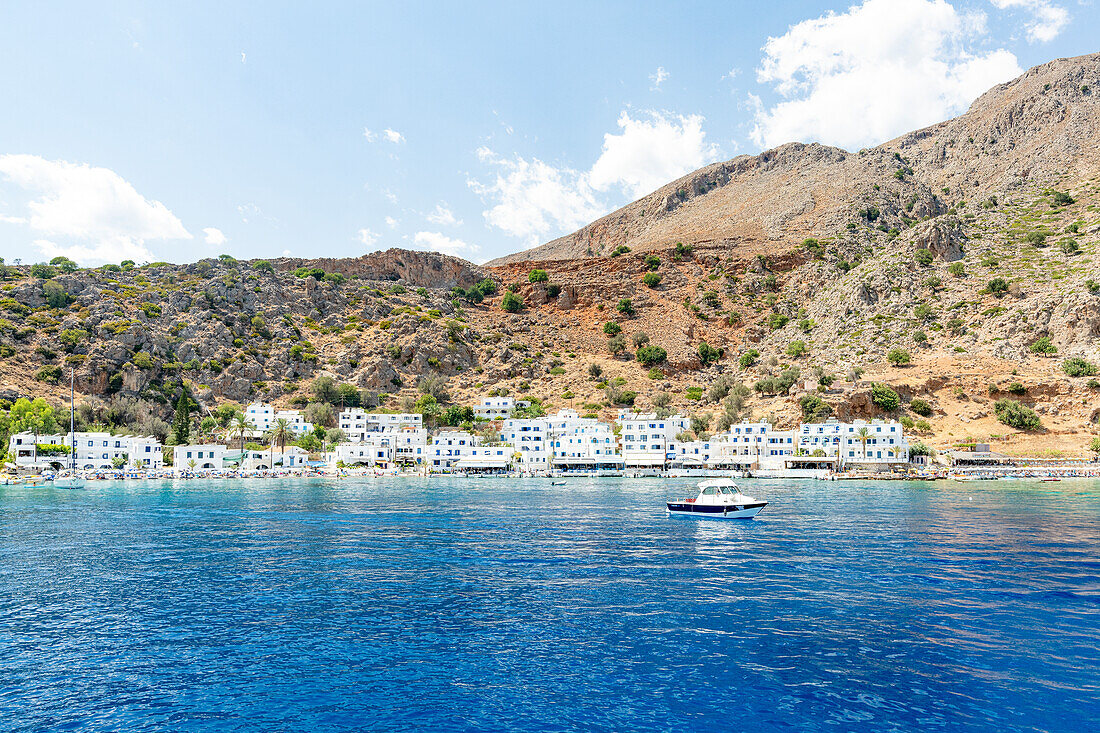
(776, 284)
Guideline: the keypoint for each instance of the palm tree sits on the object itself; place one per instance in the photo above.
(239, 426)
(280, 433)
(191, 465)
(864, 435)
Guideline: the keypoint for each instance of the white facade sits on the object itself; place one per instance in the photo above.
(94, 451)
(206, 457)
(579, 444)
(410, 444)
(449, 447)
(487, 459)
(494, 408)
(860, 442)
(649, 441)
(263, 417)
(529, 438)
(356, 423)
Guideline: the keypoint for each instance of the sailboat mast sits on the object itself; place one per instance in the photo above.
(72, 421)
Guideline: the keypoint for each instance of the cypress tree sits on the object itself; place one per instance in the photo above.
(181, 426)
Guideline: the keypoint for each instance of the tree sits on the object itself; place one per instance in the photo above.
(428, 406)
(651, 355)
(280, 433)
(864, 436)
(181, 425)
(320, 414)
(324, 389)
(898, 357)
(64, 264)
(700, 424)
(814, 409)
(616, 344)
(612, 329)
(626, 307)
(537, 276)
(885, 397)
(511, 302)
(335, 436)
(1016, 415)
(240, 426)
(347, 395)
(55, 294)
(1094, 446)
(32, 417)
(457, 414)
(651, 279)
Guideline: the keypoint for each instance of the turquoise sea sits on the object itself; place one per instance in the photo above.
(500, 604)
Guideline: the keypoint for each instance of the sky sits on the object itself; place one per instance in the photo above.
(158, 131)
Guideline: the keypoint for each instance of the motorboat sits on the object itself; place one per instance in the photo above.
(719, 498)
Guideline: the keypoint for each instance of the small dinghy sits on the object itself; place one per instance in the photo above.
(719, 498)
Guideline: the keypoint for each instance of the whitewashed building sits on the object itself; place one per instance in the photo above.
(497, 408)
(861, 443)
(448, 448)
(297, 423)
(649, 442)
(530, 439)
(582, 445)
(263, 417)
(94, 451)
(357, 423)
(487, 459)
(195, 458)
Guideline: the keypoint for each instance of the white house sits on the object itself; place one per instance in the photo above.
(497, 408)
(448, 448)
(877, 443)
(649, 442)
(206, 457)
(93, 450)
(410, 444)
(530, 438)
(582, 445)
(356, 423)
(376, 451)
(486, 459)
(297, 423)
(263, 417)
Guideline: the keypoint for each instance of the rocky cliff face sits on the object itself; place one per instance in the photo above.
(969, 245)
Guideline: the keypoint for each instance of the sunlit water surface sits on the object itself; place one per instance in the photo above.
(463, 604)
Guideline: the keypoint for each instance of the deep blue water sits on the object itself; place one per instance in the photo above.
(457, 604)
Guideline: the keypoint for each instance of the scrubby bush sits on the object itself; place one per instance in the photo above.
(651, 279)
(796, 349)
(920, 407)
(1069, 246)
(924, 257)
(898, 357)
(1016, 415)
(611, 328)
(626, 307)
(1043, 346)
(748, 358)
(957, 269)
(885, 397)
(512, 302)
(652, 262)
(650, 355)
(814, 409)
(640, 339)
(997, 286)
(49, 374)
(708, 354)
(616, 344)
(920, 337)
(537, 276)
(777, 321)
(1075, 366)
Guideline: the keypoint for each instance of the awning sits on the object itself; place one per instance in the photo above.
(472, 462)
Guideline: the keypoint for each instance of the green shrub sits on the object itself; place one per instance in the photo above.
(55, 294)
(263, 266)
(813, 247)
(694, 393)
(885, 397)
(898, 357)
(651, 279)
(143, 361)
(1092, 286)
(1043, 346)
(616, 344)
(625, 307)
(796, 349)
(512, 302)
(43, 271)
(814, 409)
(777, 321)
(50, 374)
(611, 328)
(1016, 415)
(920, 337)
(552, 290)
(957, 269)
(650, 355)
(924, 257)
(622, 249)
(920, 407)
(708, 354)
(652, 262)
(1069, 246)
(1038, 239)
(314, 272)
(1075, 366)
(1017, 388)
(537, 276)
(748, 358)
(997, 286)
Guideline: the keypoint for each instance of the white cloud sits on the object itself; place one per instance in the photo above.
(393, 136)
(443, 216)
(214, 236)
(438, 242)
(391, 222)
(657, 78)
(95, 205)
(370, 136)
(533, 200)
(367, 237)
(880, 69)
(651, 152)
(1047, 18)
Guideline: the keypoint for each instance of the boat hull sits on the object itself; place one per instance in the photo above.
(715, 511)
(68, 483)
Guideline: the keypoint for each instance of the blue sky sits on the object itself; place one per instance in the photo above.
(176, 131)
